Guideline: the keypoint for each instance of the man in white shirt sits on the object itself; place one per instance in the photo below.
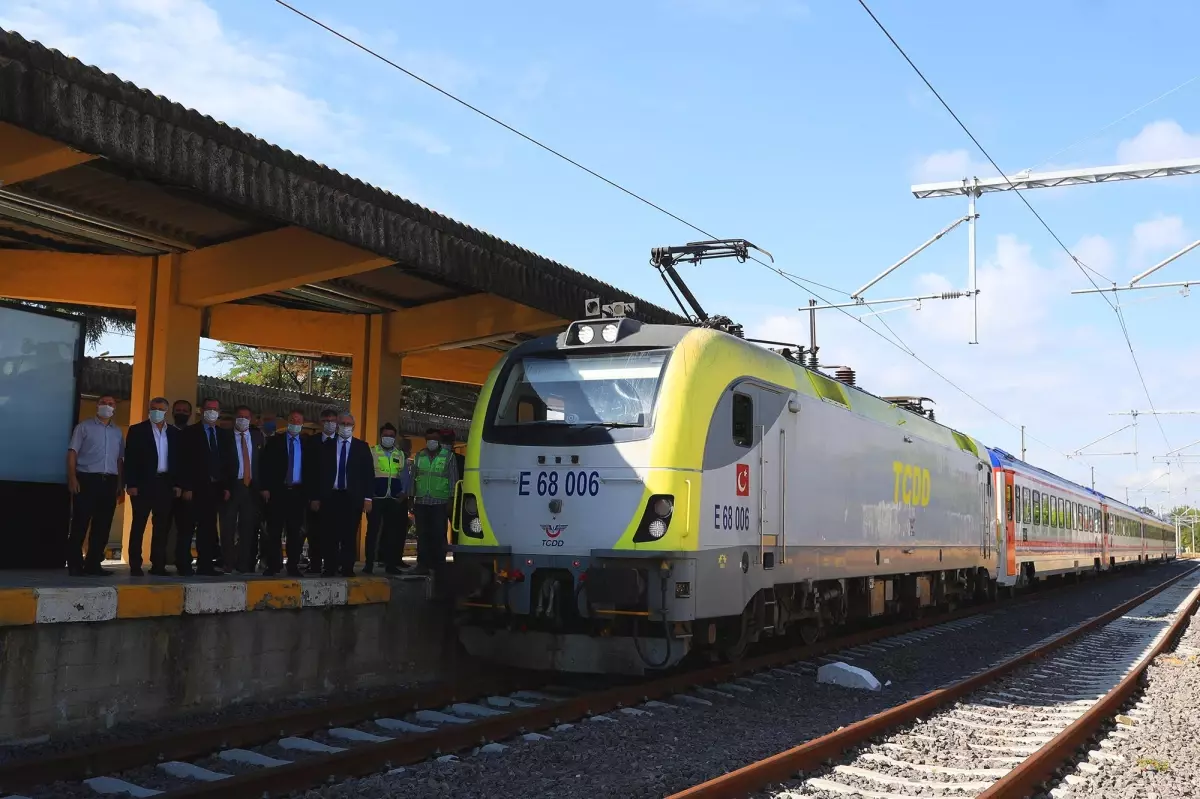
(239, 518)
(151, 478)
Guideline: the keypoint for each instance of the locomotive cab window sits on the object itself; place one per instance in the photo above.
(607, 390)
(743, 420)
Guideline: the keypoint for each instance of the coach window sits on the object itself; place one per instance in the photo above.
(1055, 512)
(1028, 506)
(1037, 508)
(1017, 504)
(1046, 509)
(1062, 513)
(743, 420)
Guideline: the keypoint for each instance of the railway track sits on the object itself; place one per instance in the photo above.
(999, 734)
(278, 755)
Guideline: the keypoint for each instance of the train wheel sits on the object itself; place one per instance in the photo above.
(738, 636)
(810, 631)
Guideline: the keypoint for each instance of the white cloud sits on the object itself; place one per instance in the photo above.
(1160, 236)
(1159, 141)
(1096, 252)
(946, 165)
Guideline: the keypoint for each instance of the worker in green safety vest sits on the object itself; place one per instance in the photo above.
(435, 473)
(387, 525)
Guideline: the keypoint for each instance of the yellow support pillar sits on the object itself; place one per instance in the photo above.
(375, 387)
(166, 351)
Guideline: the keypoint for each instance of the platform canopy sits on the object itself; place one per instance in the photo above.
(112, 196)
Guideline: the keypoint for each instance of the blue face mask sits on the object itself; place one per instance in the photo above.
(295, 429)
(157, 416)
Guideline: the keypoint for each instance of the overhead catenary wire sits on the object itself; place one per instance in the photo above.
(1082, 267)
(794, 279)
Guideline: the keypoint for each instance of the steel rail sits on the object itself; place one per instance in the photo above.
(814, 754)
(1040, 766)
(369, 758)
(197, 742)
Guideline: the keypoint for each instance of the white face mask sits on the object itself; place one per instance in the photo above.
(157, 416)
(329, 427)
(388, 442)
(346, 430)
(432, 446)
(295, 429)
(105, 411)
(211, 416)
(241, 425)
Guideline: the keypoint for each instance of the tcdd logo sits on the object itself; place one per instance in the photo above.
(553, 531)
(743, 479)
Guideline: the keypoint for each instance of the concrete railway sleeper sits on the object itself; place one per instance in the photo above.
(999, 734)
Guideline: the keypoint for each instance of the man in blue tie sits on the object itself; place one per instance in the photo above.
(286, 495)
(209, 462)
(346, 485)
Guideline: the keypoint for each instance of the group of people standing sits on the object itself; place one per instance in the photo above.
(219, 484)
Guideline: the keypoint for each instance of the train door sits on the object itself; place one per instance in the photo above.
(774, 427)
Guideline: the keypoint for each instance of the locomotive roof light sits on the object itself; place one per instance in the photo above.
(609, 333)
(585, 334)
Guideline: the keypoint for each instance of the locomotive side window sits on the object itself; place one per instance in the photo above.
(743, 420)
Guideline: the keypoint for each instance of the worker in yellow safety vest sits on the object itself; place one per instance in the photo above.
(435, 473)
(387, 525)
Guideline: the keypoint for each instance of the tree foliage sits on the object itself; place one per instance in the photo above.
(1189, 526)
(332, 379)
(96, 321)
(282, 371)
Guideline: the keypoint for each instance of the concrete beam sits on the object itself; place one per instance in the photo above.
(463, 322)
(266, 262)
(460, 366)
(107, 280)
(285, 329)
(25, 155)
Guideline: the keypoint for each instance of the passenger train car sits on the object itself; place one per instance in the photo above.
(635, 494)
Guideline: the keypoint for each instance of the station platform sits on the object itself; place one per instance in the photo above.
(85, 654)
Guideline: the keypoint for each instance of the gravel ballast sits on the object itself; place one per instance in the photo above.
(1153, 749)
(672, 748)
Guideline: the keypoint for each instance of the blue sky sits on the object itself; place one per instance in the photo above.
(795, 125)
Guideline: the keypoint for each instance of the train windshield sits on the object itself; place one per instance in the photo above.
(582, 390)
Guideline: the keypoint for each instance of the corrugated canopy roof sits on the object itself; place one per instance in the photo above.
(170, 179)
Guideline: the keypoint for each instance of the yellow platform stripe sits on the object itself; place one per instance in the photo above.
(368, 590)
(17, 606)
(273, 594)
(144, 601)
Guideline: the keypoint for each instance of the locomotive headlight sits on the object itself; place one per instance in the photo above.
(663, 508)
(476, 525)
(657, 528)
(471, 505)
(585, 334)
(656, 518)
(609, 333)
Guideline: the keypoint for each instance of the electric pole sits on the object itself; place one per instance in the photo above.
(1022, 442)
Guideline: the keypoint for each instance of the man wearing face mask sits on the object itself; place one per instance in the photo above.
(286, 495)
(95, 458)
(435, 473)
(181, 414)
(269, 423)
(239, 518)
(313, 458)
(347, 477)
(386, 526)
(208, 462)
(151, 467)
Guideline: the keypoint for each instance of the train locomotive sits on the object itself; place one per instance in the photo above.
(637, 494)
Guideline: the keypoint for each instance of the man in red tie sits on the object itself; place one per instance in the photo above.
(239, 519)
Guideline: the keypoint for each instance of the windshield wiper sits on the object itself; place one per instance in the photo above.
(606, 425)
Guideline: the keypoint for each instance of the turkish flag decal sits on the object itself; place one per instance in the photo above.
(743, 479)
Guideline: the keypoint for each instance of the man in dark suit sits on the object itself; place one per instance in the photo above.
(314, 446)
(239, 517)
(151, 467)
(286, 496)
(208, 460)
(346, 484)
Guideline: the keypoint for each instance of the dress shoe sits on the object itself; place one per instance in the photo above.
(136, 571)
(159, 571)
